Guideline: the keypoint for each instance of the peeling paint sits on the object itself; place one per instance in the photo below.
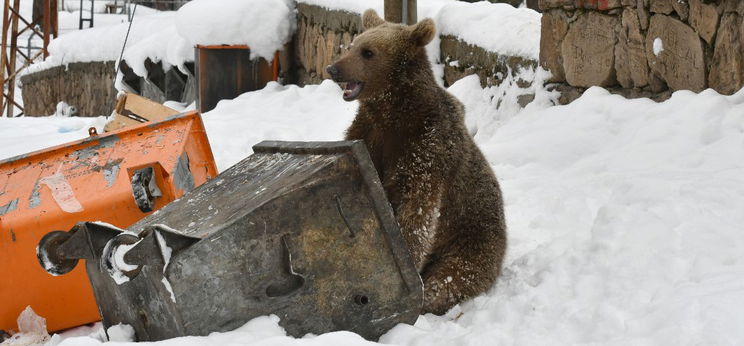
(111, 171)
(82, 156)
(35, 199)
(62, 193)
(182, 174)
(12, 205)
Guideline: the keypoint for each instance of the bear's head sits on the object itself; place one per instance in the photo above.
(379, 55)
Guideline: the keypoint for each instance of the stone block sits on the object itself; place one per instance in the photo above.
(553, 29)
(727, 67)
(681, 62)
(704, 19)
(631, 65)
(588, 50)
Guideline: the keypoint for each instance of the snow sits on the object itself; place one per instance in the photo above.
(166, 252)
(170, 37)
(104, 43)
(353, 6)
(315, 112)
(265, 25)
(120, 332)
(624, 215)
(658, 46)
(496, 27)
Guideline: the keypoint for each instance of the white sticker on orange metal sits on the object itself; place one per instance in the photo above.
(62, 192)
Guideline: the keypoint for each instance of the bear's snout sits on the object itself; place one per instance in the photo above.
(333, 71)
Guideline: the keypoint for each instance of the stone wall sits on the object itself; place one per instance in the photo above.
(643, 48)
(324, 35)
(321, 37)
(87, 86)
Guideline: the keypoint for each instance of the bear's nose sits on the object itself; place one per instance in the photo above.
(333, 71)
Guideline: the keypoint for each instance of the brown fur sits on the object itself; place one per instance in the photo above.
(445, 196)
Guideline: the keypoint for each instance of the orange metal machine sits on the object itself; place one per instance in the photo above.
(117, 178)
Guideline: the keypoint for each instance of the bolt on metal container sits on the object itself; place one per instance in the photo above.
(302, 230)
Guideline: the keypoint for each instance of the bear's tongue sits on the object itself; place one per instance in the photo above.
(352, 90)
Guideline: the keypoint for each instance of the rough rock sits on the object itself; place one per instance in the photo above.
(682, 8)
(588, 50)
(462, 59)
(704, 19)
(681, 64)
(726, 71)
(643, 14)
(630, 54)
(728, 6)
(553, 29)
(551, 4)
(602, 5)
(662, 6)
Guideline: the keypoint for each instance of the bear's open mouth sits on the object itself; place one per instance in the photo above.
(352, 90)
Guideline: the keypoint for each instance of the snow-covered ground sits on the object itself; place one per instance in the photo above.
(625, 216)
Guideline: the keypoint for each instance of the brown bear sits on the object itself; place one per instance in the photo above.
(443, 192)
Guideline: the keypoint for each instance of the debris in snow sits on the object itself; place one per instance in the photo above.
(658, 46)
(31, 330)
(120, 332)
(65, 110)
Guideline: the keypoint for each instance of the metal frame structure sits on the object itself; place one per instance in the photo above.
(13, 26)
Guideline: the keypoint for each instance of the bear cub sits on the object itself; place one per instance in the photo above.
(444, 194)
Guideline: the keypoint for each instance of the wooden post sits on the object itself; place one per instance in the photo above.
(397, 10)
(12, 59)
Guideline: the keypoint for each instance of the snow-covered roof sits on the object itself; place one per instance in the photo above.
(266, 25)
(169, 37)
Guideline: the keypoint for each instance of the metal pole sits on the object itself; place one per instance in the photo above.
(400, 11)
(12, 57)
(4, 55)
(47, 26)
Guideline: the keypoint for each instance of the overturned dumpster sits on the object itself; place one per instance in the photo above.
(300, 230)
(117, 178)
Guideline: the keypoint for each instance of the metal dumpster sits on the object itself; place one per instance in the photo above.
(118, 179)
(300, 230)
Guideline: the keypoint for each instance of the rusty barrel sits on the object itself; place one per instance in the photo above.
(117, 179)
(302, 230)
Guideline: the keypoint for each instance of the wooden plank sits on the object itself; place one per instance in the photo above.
(132, 109)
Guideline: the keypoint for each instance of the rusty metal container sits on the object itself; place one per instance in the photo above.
(226, 71)
(301, 230)
(117, 178)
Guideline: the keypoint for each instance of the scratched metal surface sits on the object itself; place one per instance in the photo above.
(300, 230)
(236, 192)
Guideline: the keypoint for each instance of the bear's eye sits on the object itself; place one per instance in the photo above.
(367, 53)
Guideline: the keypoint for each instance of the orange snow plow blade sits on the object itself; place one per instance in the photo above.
(117, 178)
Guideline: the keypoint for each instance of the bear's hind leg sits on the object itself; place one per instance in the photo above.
(462, 271)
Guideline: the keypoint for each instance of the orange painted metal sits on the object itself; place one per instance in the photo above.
(87, 180)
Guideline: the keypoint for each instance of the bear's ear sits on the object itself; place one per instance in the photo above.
(423, 32)
(370, 19)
